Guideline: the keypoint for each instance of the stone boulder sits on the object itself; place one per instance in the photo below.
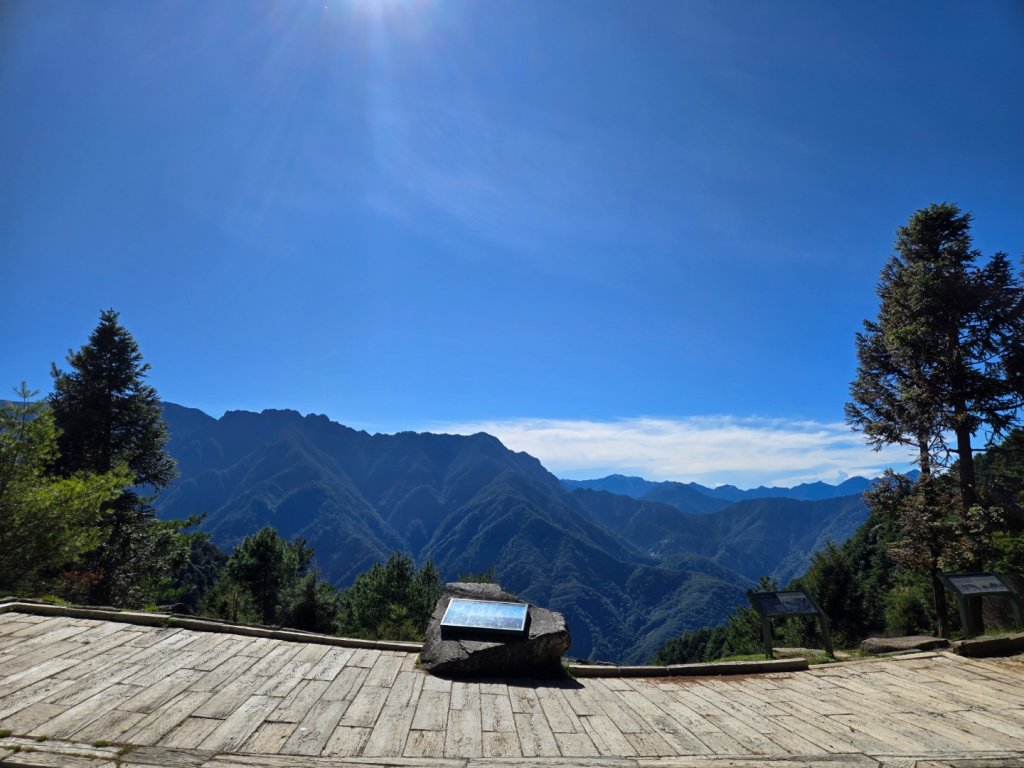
(536, 654)
(902, 644)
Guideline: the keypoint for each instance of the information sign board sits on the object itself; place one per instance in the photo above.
(779, 604)
(976, 584)
(969, 588)
(485, 615)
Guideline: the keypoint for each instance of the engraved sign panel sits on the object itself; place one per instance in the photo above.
(970, 584)
(484, 615)
(774, 604)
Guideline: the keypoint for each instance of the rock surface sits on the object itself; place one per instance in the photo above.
(904, 644)
(539, 654)
(1002, 645)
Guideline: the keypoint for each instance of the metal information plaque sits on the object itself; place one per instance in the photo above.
(782, 605)
(484, 616)
(976, 584)
(969, 588)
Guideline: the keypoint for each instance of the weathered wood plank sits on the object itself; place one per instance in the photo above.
(615, 707)
(464, 737)
(272, 661)
(9, 705)
(158, 723)
(189, 733)
(560, 717)
(225, 701)
(297, 705)
(346, 741)
(392, 727)
(311, 653)
(111, 726)
(425, 744)
(892, 739)
(575, 745)
(496, 713)
(227, 672)
(332, 662)
(311, 736)
(649, 744)
(501, 744)
(229, 647)
(384, 671)
(30, 717)
(827, 736)
(281, 683)
(99, 644)
(346, 685)
(39, 670)
(364, 657)
(608, 739)
(675, 723)
(240, 724)
(431, 711)
(997, 721)
(431, 683)
(76, 717)
(163, 757)
(158, 694)
(364, 708)
(269, 738)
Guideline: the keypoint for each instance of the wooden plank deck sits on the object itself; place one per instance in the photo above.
(201, 698)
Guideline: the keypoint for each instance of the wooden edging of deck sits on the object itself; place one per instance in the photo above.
(200, 625)
(144, 618)
(691, 670)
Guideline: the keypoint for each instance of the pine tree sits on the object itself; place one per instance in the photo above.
(108, 417)
(106, 412)
(940, 360)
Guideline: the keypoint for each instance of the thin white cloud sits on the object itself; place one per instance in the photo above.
(711, 450)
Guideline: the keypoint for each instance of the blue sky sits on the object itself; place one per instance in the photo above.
(623, 236)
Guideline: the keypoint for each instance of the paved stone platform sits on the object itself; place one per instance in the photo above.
(81, 692)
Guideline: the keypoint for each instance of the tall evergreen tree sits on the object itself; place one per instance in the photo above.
(106, 412)
(108, 417)
(940, 359)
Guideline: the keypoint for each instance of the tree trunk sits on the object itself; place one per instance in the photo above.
(965, 456)
(939, 597)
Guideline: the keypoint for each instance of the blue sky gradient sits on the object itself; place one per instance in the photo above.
(455, 215)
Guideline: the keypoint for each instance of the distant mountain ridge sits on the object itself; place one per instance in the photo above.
(683, 495)
(628, 574)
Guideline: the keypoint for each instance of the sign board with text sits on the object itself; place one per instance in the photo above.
(969, 588)
(484, 616)
(783, 605)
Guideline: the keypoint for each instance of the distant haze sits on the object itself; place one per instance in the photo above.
(711, 450)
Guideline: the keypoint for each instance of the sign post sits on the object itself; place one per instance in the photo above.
(968, 587)
(781, 605)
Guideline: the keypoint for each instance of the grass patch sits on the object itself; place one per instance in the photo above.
(740, 657)
(5, 732)
(55, 599)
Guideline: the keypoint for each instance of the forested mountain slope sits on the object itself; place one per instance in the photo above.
(627, 574)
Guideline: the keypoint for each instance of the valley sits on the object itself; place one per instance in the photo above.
(627, 572)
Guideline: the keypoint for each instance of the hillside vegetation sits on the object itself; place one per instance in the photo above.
(627, 574)
(109, 496)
